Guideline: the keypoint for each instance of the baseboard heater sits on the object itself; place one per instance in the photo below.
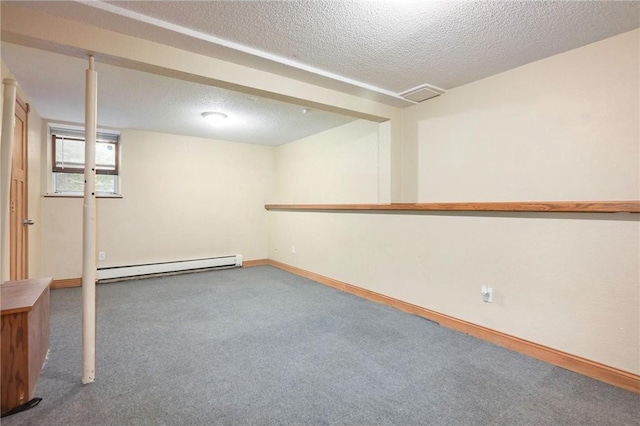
(130, 271)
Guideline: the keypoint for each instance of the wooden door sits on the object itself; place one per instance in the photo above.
(18, 232)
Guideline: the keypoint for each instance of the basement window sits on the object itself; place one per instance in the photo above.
(67, 146)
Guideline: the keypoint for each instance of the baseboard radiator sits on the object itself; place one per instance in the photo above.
(132, 271)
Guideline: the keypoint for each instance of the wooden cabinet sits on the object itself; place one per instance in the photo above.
(25, 338)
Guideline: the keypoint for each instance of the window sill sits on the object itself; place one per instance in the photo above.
(81, 196)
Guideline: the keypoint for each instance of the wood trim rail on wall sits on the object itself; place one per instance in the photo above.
(66, 283)
(604, 373)
(632, 206)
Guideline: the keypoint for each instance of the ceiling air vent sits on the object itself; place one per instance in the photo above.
(421, 93)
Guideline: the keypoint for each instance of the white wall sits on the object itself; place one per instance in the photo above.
(183, 198)
(320, 168)
(564, 128)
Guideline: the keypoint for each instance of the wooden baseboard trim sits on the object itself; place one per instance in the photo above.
(66, 283)
(604, 373)
(256, 262)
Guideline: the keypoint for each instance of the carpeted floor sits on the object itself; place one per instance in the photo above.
(259, 346)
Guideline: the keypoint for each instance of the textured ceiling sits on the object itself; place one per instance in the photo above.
(373, 49)
(398, 45)
(136, 100)
(392, 45)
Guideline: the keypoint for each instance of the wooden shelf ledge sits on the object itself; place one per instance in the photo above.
(517, 206)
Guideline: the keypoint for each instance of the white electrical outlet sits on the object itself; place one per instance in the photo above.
(487, 294)
(293, 249)
(102, 255)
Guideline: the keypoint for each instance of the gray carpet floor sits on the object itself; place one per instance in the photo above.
(259, 346)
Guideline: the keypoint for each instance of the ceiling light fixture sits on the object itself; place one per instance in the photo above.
(214, 117)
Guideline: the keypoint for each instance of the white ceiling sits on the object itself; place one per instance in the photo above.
(374, 49)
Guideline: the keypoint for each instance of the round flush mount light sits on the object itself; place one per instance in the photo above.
(214, 117)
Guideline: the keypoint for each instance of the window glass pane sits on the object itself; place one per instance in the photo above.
(105, 156)
(105, 184)
(69, 182)
(74, 182)
(69, 153)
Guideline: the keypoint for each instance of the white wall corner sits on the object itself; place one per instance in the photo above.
(384, 162)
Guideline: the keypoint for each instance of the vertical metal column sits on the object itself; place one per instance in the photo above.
(89, 230)
(6, 157)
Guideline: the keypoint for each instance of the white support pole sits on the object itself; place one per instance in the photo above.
(89, 230)
(6, 157)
